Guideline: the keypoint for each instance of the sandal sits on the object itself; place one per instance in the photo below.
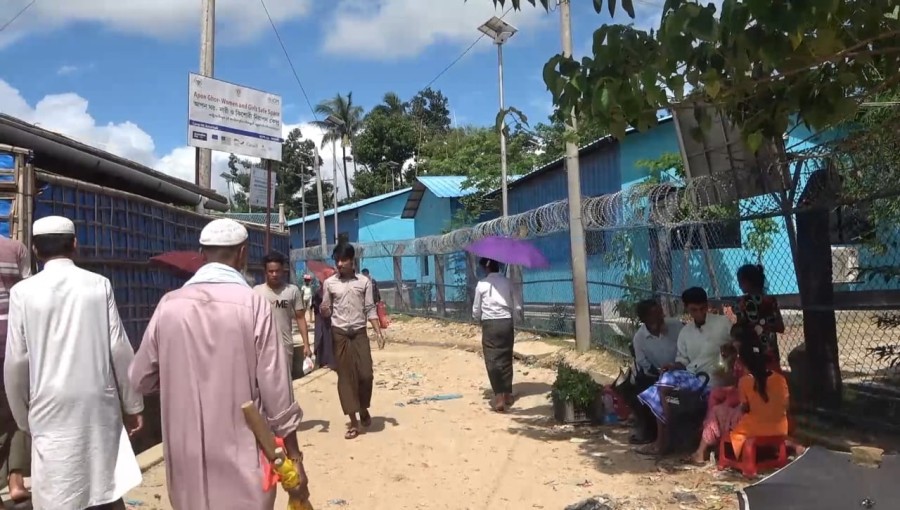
(351, 434)
(648, 450)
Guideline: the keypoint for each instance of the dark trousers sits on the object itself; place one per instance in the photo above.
(497, 338)
(15, 445)
(644, 421)
(353, 357)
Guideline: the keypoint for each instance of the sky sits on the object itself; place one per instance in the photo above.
(114, 74)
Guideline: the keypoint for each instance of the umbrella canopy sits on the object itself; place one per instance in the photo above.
(320, 269)
(822, 479)
(182, 263)
(508, 250)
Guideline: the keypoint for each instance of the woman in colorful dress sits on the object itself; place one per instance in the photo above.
(760, 311)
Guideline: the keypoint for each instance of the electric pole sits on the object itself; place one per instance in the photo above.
(576, 226)
(323, 236)
(207, 56)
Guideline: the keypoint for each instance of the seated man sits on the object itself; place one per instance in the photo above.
(655, 346)
(698, 351)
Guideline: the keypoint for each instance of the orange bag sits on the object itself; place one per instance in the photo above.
(383, 320)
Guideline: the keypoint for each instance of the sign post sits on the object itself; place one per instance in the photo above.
(269, 197)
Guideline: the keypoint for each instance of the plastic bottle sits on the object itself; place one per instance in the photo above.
(609, 408)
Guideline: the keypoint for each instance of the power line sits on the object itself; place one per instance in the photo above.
(288, 57)
(17, 15)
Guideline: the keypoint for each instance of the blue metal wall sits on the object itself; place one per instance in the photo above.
(7, 174)
(381, 221)
(118, 233)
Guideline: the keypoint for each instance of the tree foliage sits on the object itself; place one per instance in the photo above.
(350, 117)
(295, 178)
(760, 62)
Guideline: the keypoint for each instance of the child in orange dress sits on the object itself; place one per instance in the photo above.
(764, 400)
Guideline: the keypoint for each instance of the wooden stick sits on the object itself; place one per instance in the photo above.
(261, 430)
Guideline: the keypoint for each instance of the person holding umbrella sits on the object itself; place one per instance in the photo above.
(493, 307)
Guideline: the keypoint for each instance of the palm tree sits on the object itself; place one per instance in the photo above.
(391, 104)
(350, 117)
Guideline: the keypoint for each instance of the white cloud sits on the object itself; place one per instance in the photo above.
(66, 70)
(391, 29)
(68, 115)
(237, 20)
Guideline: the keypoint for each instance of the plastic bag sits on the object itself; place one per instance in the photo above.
(383, 319)
(309, 364)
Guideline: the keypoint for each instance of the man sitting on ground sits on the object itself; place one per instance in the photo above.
(655, 346)
(699, 347)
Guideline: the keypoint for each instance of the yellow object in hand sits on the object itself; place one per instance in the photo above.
(290, 479)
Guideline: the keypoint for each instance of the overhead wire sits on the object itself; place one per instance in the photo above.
(17, 15)
(289, 60)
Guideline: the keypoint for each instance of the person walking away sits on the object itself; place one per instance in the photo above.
(493, 307)
(347, 299)
(66, 373)
(211, 346)
(655, 346)
(699, 352)
(324, 343)
(376, 294)
(287, 306)
(760, 311)
(14, 444)
(306, 293)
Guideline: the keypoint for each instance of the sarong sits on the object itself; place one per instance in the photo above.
(680, 379)
(353, 359)
(497, 338)
(15, 445)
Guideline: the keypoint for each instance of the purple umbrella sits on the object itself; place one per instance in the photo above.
(507, 250)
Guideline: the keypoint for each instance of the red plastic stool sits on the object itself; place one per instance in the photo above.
(749, 464)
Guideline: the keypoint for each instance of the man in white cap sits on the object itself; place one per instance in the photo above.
(211, 346)
(66, 373)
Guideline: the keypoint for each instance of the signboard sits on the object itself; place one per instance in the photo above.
(258, 181)
(226, 117)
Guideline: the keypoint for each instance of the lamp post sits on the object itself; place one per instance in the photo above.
(335, 123)
(500, 31)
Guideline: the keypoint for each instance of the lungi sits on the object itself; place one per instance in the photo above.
(353, 360)
(15, 445)
(497, 338)
(680, 379)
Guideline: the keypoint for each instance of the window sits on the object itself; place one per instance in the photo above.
(719, 234)
(425, 268)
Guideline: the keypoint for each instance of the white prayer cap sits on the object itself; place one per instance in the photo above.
(53, 225)
(223, 232)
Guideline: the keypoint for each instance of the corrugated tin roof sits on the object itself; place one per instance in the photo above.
(258, 218)
(442, 186)
(585, 149)
(349, 207)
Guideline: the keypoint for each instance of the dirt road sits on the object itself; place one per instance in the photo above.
(456, 454)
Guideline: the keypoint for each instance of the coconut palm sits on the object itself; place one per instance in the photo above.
(350, 115)
(391, 104)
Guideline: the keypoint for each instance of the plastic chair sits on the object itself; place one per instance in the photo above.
(749, 464)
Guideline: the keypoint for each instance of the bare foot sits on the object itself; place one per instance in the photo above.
(365, 418)
(499, 404)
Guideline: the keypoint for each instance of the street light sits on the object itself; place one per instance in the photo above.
(229, 179)
(500, 31)
(335, 122)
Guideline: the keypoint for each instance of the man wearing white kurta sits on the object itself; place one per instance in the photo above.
(66, 374)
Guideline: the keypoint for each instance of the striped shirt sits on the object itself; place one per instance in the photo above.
(13, 268)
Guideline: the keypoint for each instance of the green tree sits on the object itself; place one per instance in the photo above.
(387, 140)
(760, 63)
(551, 138)
(431, 111)
(295, 178)
(350, 116)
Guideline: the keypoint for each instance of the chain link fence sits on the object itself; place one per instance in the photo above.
(826, 230)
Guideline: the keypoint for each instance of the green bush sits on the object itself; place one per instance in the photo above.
(574, 386)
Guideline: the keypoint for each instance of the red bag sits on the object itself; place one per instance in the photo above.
(383, 320)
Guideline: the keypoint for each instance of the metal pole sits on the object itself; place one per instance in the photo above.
(334, 174)
(502, 134)
(323, 236)
(207, 56)
(303, 223)
(268, 166)
(576, 226)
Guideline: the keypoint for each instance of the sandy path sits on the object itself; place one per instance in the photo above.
(455, 454)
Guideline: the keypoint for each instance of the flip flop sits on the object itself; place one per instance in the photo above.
(648, 450)
(687, 461)
(351, 434)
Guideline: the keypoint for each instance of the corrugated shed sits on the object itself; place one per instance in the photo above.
(257, 218)
(441, 186)
(348, 207)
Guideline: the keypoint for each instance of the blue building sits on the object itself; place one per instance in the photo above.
(366, 221)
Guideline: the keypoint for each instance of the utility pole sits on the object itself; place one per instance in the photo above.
(323, 236)
(207, 57)
(576, 226)
(335, 181)
(503, 175)
(267, 165)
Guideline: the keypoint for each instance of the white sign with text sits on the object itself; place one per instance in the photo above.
(258, 180)
(226, 117)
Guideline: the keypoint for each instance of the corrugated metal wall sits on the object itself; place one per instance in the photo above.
(119, 232)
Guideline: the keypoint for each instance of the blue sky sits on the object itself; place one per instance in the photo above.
(116, 76)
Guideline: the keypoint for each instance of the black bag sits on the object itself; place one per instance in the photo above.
(687, 410)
